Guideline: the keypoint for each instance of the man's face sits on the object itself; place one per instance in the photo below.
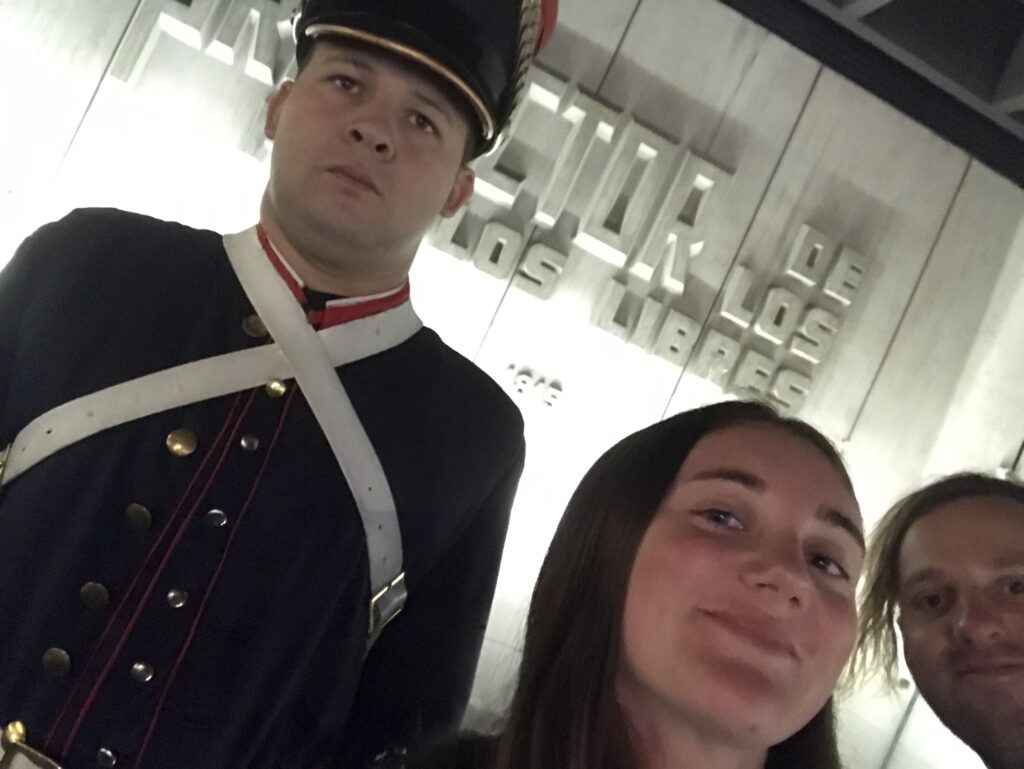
(367, 152)
(961, 604)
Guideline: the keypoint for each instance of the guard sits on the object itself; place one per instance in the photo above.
(252, 510)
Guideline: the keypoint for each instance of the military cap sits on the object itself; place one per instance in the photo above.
(481, 48)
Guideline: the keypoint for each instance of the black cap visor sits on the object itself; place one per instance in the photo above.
(479, 108)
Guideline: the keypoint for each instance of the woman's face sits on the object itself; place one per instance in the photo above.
(740, 609)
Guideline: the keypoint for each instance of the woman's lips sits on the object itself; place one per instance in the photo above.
(760, 633)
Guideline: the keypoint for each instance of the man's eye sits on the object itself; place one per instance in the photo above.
(424, 123)
(722, 518)
(929, 603)
(345, 83)
(1016, 586)
(830, 566)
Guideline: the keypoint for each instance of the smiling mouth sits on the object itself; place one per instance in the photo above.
(990, 668)
(354, 177)
(760, 635)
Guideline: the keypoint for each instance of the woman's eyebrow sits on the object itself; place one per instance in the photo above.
(733, 475)
(840, 519)
(748, 480)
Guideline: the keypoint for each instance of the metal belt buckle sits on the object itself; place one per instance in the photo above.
(3, 461)
(15, 754)
(387, 604)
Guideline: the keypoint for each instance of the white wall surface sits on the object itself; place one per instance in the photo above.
(922, 373)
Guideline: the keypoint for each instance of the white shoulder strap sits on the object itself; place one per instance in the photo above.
(332, 408)
(297, 352)
(191, 383)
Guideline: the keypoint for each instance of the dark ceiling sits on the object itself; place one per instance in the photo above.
(974, 48)
(955, 65)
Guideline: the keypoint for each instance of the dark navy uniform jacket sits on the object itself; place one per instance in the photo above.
(210, 610)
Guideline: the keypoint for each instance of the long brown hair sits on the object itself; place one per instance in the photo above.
(564, 713)
(877, 648)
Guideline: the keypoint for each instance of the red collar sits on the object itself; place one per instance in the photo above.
(336, 311)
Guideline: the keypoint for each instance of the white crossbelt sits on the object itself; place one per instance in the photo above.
(330, 404)
(15, 754)
(298, 352)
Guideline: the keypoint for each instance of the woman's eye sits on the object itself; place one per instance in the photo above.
(830, 566)
(1015, 586)
(722, 518)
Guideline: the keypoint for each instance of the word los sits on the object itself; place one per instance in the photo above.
(793, 324)
(575, 180)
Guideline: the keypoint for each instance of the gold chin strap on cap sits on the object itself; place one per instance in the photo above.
(15, 754)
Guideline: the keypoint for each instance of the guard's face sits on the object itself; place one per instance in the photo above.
(740, 609)
(961, 612)
(367, 151)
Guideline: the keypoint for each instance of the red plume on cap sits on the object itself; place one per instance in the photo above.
(548, 19)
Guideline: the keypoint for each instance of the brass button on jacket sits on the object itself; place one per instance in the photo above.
(216, 518)
(106, 758)
(137, 517)
(275, 388)
(249, 443)
(253, 326)
(142, 672)
(181, 442)
(94, 595)
(176, 598)
(56, 662)
(15, 732)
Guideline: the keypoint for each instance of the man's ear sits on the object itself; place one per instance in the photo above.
(461, 191)
(274, 105)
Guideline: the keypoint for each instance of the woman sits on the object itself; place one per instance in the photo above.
(696, 605)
